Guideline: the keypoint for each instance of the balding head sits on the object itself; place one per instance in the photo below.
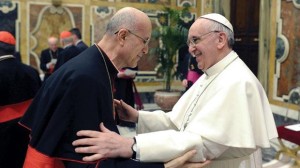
(129, 18)
(52, 43)
(127, 36)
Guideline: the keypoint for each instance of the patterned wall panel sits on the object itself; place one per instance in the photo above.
(46, 20)
(185, 2)
(9, 14)
(286, 75)
(99, 18)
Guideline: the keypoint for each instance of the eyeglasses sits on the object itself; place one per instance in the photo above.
(145, 41)
(196, 39)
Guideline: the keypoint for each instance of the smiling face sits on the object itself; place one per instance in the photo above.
(205, 43)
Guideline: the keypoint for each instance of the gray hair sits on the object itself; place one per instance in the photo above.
(121, 20)
(67, 40)
(220, 27)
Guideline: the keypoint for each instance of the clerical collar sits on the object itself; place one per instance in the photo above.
(110, 65)
(219, 66)
(68, 45)
(4, 57)
(78, 41)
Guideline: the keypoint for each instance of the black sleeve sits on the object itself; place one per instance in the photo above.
(44, 61)
(60, 61)
(183, 63)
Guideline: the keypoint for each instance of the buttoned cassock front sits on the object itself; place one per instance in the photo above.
(225, 115)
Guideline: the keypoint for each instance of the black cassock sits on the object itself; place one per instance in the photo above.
(75, 97)
(18, 85)
(46, 56)
(68, 53)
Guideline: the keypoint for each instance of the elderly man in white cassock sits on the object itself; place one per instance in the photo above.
(225, 115)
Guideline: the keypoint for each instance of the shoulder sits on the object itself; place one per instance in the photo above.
(81, 43)
(237, 76)
(45, 51)
(29, 69)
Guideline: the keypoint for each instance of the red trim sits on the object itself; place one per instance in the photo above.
(35, 159)
(97, 165)
(13, 111)
(77, 161)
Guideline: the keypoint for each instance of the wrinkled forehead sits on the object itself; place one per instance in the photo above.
(144, 24)
(200, 26)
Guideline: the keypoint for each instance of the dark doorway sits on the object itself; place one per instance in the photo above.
(245, 21)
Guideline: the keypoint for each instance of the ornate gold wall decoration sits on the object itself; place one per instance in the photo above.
(7, 6)
(10, 19)
(181, 3)
(100, 17)
(47, 20)
(207, 6)
(56, 3)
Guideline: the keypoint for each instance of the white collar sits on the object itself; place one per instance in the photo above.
(78, 41)
(4, 57)
(68, 45)
(219, 66)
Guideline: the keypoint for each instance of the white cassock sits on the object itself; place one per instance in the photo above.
(225, 115)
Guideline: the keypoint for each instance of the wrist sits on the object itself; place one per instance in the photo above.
(136, 118)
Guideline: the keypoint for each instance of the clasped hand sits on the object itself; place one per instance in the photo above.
(104, 144)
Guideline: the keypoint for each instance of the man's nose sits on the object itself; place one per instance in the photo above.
(192, 50)
(145, 49)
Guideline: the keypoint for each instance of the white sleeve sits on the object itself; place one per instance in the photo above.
(154, 121)
(164, 146)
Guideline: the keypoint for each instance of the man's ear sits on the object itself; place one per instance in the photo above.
(121, 35)
(222, 40)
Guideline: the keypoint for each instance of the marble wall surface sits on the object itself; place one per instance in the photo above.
(285, 60)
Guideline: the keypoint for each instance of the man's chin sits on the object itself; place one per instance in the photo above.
(133, 65)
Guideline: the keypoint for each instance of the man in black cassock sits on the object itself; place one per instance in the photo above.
(18, 85)
(69, 52)
(76, 34)
(49, 56)
(79, 96)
